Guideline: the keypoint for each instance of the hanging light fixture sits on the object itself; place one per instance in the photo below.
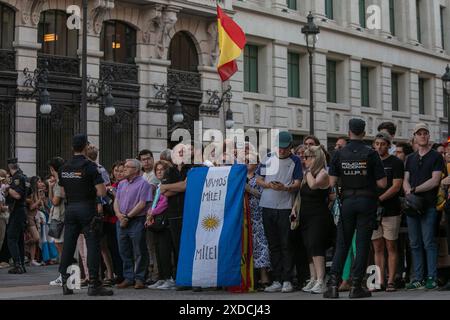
(109, 106)
(45, 106)
(178, 116)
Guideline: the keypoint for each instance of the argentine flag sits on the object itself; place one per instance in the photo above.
(210, 249)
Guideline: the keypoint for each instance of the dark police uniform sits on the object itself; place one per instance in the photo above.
(17, 220)
(358, 168)
(79, 177)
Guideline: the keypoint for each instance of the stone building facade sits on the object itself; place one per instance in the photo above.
(175, 43)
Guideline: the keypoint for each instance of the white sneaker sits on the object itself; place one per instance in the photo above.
(156, 284)
(287, 287)
(35, 263)
(275, 287)
(167, 285)
(319, 288)
(56, 282)
(309, 285)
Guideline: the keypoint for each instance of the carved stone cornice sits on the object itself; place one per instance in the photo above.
(213, 42)
(163, 32)
(97, 15)
(152, 20)
(32, 12)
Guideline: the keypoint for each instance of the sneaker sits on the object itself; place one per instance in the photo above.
(167, 285)
(35, 263)
(4, 265)
(275, 287)
(415, 285)
(156, 284)
(309, 285)
(56, 282)
(431, 284)
(287, 287)
(319, 288)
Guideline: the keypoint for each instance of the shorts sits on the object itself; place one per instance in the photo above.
(389, 228)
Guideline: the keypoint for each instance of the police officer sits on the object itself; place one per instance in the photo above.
(360, 171)
(16, 201)
(83, 187)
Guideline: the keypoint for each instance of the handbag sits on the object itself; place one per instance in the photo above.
(55, 228)
(336, 208)
(160, 222)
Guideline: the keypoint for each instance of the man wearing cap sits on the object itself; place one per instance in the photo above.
(360, 171)
(423, 171)
(16, 197)
(389, 210)
(280, 174)
(83, 186)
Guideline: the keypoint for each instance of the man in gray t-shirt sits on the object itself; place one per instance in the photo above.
(276, 201)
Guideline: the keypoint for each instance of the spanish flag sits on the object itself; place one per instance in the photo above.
(231, 43)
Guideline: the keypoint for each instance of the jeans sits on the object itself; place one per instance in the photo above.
(110, 232)
(422, 235)
(133, 249)
(78, 218)
(15, 234)
(277, 228)
(357, 213)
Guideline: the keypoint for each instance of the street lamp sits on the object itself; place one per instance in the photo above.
(100, 92)
(446, 86)
(178, 116)
(215, 103)
(311, 31)
(38, 81)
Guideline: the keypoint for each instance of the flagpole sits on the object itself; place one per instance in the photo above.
(224, 113)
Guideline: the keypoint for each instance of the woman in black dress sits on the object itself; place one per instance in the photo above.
(315, 219)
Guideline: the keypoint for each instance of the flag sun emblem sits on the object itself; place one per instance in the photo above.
(210, 222)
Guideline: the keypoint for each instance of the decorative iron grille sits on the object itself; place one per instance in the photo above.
(118, 138)
(55, 132)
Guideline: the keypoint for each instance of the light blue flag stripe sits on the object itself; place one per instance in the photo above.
(230, 243)
(195, 182)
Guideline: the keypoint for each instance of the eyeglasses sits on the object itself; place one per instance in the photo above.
(420, 162)
(308, 157)
(130, 167)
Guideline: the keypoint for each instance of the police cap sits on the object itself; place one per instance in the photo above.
(80, 141)
(357, 126)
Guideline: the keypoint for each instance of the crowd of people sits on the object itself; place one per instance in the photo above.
(300, 216)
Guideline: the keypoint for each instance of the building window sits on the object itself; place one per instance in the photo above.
(331, 81)
(251, 68)
(419, 29)
(329, 9)
(293, 75)
(365, 96)
(442, 27)
(292, 4)
(6, 27)
(118, 42)
(392, 16)
(55, 37)
(362, 13)
(421, 96)
(394, 91)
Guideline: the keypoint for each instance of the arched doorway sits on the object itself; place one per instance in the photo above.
(183, 74)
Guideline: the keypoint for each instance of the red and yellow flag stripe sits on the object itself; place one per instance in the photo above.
(231, 43)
